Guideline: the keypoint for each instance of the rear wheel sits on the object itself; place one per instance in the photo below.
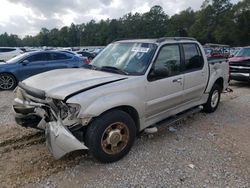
(7, 81)
(213, 99)
(111, 136)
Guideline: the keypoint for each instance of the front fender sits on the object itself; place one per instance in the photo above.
(113, 100)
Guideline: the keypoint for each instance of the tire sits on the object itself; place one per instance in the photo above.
(111, 136)
(7, 81)
(213, 99)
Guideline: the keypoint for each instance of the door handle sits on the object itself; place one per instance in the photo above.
(179, 80)
(202, 73)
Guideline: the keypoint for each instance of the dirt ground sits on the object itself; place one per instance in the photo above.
(206, 150)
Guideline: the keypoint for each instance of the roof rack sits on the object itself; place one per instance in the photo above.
(118, 39)
(174, 38)
(216, 45)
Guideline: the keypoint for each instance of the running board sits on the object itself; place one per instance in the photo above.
(164, 124)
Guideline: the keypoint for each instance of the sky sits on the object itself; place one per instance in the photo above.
(27, 17)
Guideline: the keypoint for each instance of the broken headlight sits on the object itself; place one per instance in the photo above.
(69, 111)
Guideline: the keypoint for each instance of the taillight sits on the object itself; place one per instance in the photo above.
(86, 61)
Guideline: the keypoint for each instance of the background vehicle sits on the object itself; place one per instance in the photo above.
(217, 51)
(89, 55)
(130, 86)
(83, 58)
(68, 49)
(31, 63)
(7, 53)
(240, 65)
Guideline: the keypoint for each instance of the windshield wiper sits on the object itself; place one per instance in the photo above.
(89, 66)
(114, 69)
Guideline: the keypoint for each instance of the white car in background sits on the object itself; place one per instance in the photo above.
(7, 53)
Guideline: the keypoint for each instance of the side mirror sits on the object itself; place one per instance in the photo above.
(158, 73)
(161, 72)
(25, 62)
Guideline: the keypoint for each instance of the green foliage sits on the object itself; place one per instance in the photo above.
(218, 21)
(179, 24)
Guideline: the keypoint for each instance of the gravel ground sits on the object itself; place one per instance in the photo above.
(6, 99)
(206, 150)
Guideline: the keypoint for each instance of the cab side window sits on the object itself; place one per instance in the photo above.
(193, 57)
(169, 58)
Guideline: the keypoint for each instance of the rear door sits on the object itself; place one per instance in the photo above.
(57, 60)
(196, 73)
(165, 93)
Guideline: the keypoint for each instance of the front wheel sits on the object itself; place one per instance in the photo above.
(213, 99)
(111, 136)
(7, 81)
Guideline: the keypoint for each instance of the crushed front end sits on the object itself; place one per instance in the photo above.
(63, 130)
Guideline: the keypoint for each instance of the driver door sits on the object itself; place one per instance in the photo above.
(164, 93)
(35, 64)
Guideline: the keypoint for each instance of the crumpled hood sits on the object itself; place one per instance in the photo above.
(61, 83)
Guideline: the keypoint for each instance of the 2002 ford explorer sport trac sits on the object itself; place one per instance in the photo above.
(130, 86)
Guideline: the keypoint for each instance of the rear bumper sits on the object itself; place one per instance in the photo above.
(240, 76)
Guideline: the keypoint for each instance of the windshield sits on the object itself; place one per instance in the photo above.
(130, 58)
(244, 52)
(17, 58)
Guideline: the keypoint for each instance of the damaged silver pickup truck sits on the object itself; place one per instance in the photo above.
(132, 85)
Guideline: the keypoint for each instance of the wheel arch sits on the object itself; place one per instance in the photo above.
(130, 111)
(220, 82)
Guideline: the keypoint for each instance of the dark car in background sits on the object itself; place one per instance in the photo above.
(240, 65)
(31, 63)
(89, 55)
(83, 58)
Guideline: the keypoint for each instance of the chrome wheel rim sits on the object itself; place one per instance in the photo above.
(6, 82)
(215, 98)
(115, 138)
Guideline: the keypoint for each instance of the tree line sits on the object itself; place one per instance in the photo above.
(217, 21)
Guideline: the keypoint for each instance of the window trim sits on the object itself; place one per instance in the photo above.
(158, 52)
(183, 58)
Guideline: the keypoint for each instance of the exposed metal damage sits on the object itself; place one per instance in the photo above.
(55, 117)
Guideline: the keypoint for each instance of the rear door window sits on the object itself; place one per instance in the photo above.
(193, 57)
(58, 56)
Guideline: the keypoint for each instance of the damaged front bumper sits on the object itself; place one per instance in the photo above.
(37, 113)
(60, 140)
